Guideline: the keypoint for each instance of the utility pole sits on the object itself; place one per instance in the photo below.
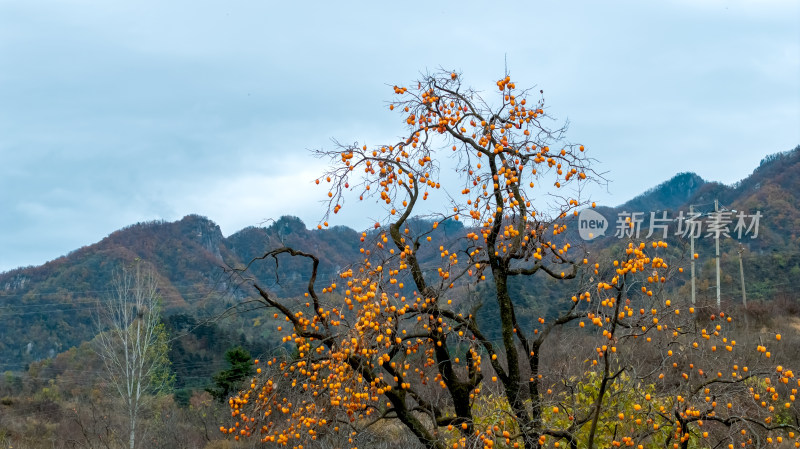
(741, 274)
(744, 293)
(716, 209)
(691, 234)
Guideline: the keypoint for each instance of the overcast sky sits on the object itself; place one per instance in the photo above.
(114, 112)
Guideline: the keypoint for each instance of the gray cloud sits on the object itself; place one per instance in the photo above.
(112, 113)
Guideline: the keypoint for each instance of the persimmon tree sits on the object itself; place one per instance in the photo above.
(433, 331)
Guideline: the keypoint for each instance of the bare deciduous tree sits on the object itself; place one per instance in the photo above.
(134, 346)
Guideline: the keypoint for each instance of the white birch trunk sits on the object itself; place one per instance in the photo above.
(127, 347)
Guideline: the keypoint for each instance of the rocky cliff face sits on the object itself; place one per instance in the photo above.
(204, 232)
(15, 282)
(668, 195)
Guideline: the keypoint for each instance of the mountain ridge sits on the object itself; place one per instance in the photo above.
(49, 306)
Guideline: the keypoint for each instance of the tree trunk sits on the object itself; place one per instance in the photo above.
(132, 439)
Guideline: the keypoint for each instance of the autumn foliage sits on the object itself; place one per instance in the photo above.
(398, 342)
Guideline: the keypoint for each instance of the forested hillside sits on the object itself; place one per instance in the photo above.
(48, 309)
(48, 313)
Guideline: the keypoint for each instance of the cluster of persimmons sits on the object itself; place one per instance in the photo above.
(406, 334)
